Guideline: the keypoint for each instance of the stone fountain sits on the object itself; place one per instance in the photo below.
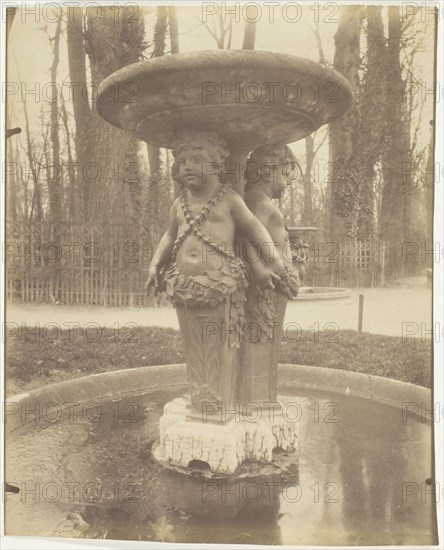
(222, 105)
(88, 473)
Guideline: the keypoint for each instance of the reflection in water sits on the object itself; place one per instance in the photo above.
(93, 478)
(353, 472)
(372, 477)
(224, 510)
(375, 472)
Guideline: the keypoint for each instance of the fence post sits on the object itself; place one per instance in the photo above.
(361, 312)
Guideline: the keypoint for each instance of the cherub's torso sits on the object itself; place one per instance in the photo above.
(194, 256)
(258, 201)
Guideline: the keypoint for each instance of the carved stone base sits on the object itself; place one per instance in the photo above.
(224, 446)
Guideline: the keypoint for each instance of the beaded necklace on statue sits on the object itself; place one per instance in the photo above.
(194, 223)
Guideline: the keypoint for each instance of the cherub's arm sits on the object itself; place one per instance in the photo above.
(254, 230)
(262, 212)
(164, 249)
(271, 267)
(261, 209)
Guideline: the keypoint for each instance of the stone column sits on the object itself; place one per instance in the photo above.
(212, 360)
(260, 353)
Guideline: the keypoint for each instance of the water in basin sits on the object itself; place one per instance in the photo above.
(363, 477)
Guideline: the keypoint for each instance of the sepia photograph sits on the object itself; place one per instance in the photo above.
(222, 274)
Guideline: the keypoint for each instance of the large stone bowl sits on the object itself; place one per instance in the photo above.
(80, 453)
(247, 97)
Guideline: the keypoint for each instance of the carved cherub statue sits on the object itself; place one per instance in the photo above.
(204, 277)
(268, 172)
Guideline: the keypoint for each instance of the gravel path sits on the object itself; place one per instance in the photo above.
(402, 310)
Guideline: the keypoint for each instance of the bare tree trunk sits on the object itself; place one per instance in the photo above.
(158, 191)
(165, 17)
(55, 178)
(319, 44)
(174, 29)
(174, 39)
(115, 188)
(73, 192)
(82, 112)
(219, 34)
(292, 213)
(36, 212)
(55, 181)
(11, 187)
(250, 29)
(392, 200)
(430, 187)
(249, 36)
(307, 215)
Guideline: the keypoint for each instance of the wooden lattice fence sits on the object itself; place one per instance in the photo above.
(78, 263)
(354, 264)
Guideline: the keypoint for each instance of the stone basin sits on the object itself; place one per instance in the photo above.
(247, 97)
(323, 293)
(360, 478)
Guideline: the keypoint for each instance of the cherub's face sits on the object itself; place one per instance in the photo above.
(272, 171)
(194, 167)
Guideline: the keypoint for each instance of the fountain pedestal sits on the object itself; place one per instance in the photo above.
(257, 381)
(224, 439)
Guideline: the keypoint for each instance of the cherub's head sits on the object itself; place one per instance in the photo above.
(197, 157)
(273, 164)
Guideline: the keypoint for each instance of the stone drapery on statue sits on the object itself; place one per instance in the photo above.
(262, 304)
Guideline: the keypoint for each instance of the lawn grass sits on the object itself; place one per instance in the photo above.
(55, 356)
(388, 356)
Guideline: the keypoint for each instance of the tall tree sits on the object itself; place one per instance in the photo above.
(344, 173)
(391, 224)
(159, 46)
(307, 213)
(412, 41)
(173, 24)
(372, 128)
(83, 141)
(115, 189)
(36, 211)
(11, 187)
(430, 186)
(221, 31)
(154, 157)
(72, 198)
(310, 152)
(55, 180)
(250, 29)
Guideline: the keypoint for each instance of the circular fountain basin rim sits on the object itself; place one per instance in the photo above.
(302, 228)
(129, 382)
(323, 293)
(217, 58)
